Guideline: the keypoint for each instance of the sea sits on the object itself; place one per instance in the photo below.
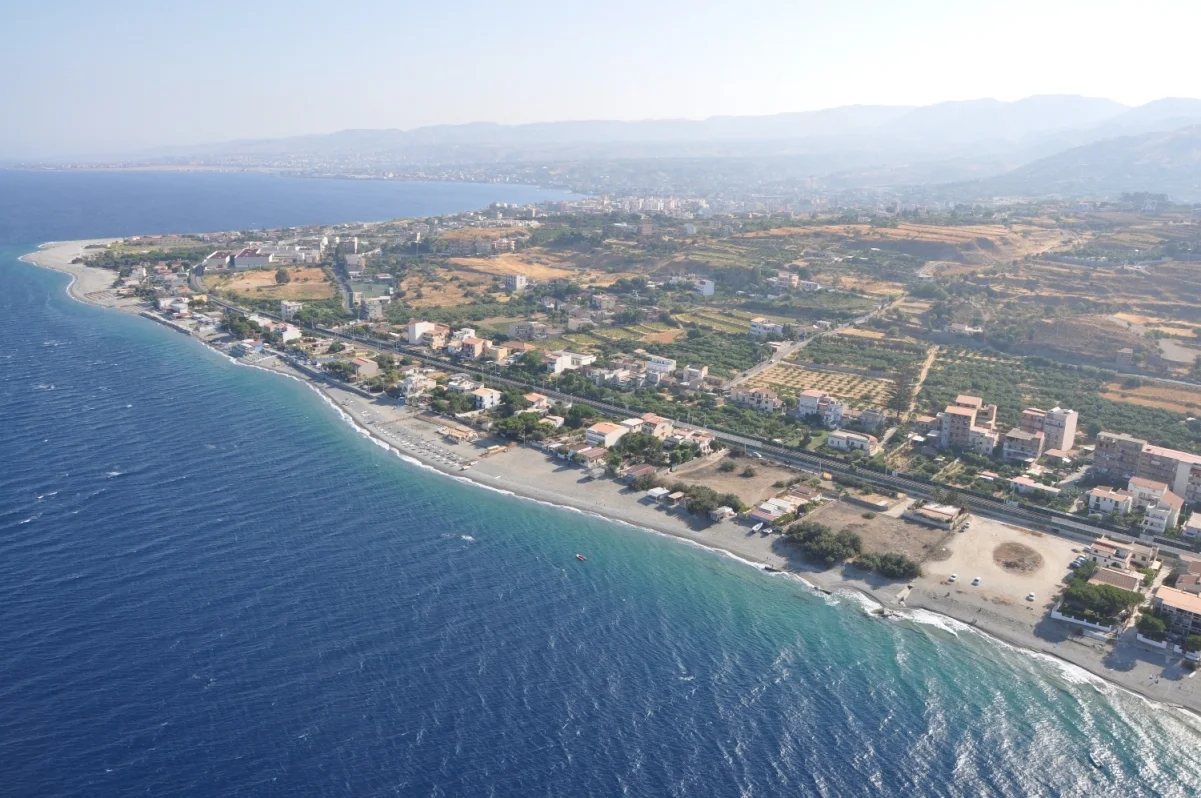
(212, 584)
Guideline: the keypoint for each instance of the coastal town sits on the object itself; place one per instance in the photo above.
(977, 411)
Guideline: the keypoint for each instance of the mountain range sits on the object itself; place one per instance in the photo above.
(1041, 144)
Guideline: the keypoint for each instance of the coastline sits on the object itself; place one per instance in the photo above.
(527, 473)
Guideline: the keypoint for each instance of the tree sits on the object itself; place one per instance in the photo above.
(1192, 643)
(1152, 627)
(340, 369)
(748, 472)
(282, 277)
(578, 414)
(335, 348)
(902, 391)
(892, 565)
(726, 466)
(821, 544)
(645, 482)
(683, 453)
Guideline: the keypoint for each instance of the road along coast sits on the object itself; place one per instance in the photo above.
(996, 608)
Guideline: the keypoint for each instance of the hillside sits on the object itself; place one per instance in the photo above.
(1157, 162)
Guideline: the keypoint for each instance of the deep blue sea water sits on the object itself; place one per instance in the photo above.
(211, 585)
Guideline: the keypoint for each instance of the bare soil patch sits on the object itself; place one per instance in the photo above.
(1017, 557)
(1174, 398)
(305, 283)
(883, 533)
(751, 490)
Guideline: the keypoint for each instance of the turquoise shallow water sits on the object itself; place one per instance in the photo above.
(212, 585)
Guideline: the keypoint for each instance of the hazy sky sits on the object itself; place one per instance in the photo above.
(80, 77)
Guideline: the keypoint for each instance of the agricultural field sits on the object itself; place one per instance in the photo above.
(714, 320)
(654, 332)
(306, 283)
(863, 349)
(788, 379)
(979, 244)
(1165, 396)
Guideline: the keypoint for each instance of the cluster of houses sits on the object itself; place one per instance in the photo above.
(1161, 507)
(593, 450)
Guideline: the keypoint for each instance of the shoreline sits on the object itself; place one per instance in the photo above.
(530, 475)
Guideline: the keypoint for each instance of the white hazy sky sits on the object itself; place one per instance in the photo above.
(87, 77)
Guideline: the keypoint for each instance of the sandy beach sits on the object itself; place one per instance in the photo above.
(996, 607)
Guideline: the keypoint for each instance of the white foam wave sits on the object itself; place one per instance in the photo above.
(866, 602)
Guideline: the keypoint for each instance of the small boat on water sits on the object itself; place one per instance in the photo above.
(581, 557)
(1097, 763)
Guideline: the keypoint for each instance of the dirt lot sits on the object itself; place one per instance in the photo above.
(1175, 398)
(441, 291)
(306, 283)
(751, 490)
(884, 533)
(983, 551)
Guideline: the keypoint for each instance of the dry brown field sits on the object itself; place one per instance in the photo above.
(307, 283)
(1175, 398)
(481, 233)
(752, 490)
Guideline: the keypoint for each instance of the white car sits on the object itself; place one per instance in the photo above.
(952, 577)
(976, 582)
(1029, 597)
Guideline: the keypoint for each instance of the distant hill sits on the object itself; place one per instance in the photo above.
(877, 128)
(1038, 145)
(1165, 162)
(987, 120)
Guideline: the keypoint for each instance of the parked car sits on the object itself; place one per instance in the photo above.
(976, 582)
(1029, 597)
(952, 577)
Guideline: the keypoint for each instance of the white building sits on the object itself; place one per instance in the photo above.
(761, 327)
(289, 309)
(418, 329)
(1146, 492)
(846, 441)
(705, 287)
(604, 434)
(763, 400)
(1106, 500)
(661, 365)
(486, 398)
(1163, 515)
(558, 362)
(813, 402)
